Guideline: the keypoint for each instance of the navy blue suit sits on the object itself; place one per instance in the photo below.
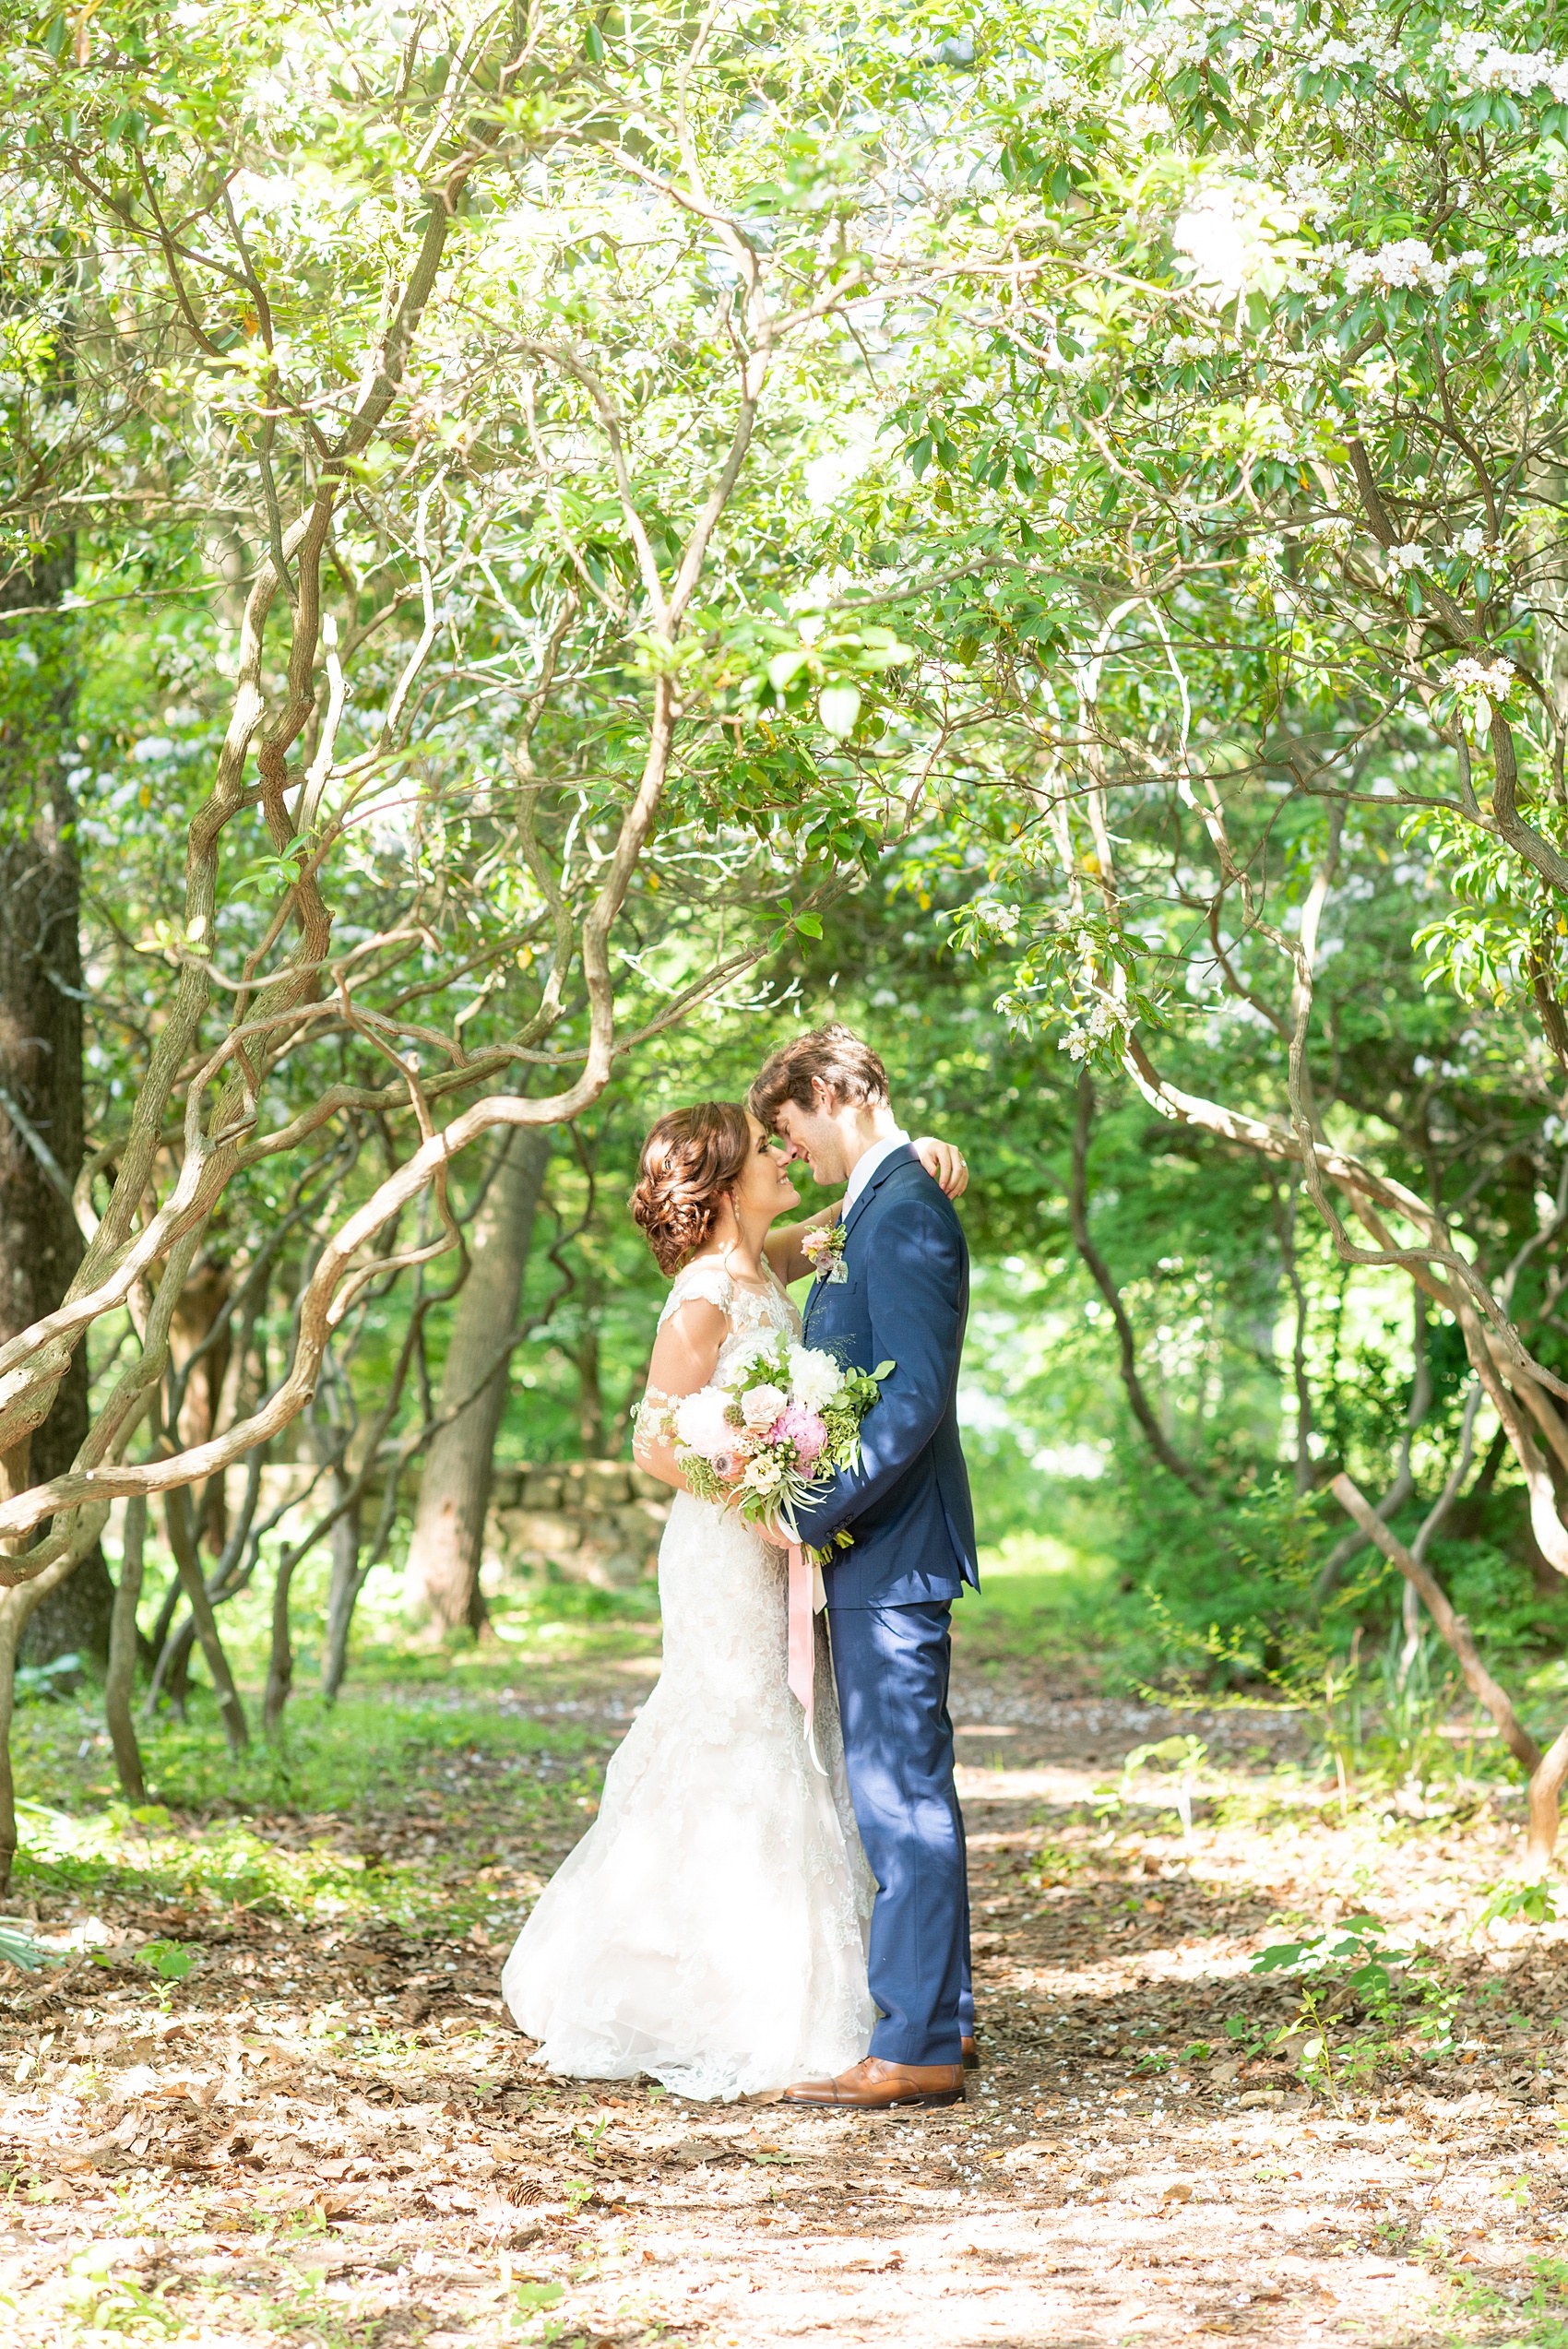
(889, 1597)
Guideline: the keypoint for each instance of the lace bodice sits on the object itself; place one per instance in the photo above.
(746, 1310)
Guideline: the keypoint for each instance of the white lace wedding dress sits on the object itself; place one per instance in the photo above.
(710, 1928)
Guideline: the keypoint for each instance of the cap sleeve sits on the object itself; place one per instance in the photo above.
(709, 1282)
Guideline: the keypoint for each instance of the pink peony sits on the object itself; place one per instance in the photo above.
(802, 1428)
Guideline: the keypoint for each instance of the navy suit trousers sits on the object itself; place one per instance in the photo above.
(891, 1664)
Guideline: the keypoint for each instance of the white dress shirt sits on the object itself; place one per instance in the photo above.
(866, 1165)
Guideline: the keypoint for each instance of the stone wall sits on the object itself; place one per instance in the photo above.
(589, 1521)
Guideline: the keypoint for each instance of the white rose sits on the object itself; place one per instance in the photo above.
(760, 1405)
(814, 1377)
(762, 1475)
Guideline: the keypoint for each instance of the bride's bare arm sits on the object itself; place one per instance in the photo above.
(943, 1161)
(686, 1354)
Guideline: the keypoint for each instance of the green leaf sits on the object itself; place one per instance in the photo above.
(1279, 1958)
(167, 1958)
(838, 706)
(538, 2295)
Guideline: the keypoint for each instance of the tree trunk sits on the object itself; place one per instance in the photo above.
(180, 1525)
(40, 1054)
(1545, 1773)
(443, 1556)
(203, 1297)
(123, 1653)
(342, 1591)
(16, 1607)
(281, 1660)
(1099, 1273)
(590, 1394)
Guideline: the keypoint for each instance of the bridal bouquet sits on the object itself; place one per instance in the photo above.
(770, 1430)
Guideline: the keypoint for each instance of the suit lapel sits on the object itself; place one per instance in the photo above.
(894, 1159)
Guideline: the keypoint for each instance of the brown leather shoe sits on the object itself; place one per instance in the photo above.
(970, 2054)
(874, 2086)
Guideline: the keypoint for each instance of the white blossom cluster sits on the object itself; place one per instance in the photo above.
(1469, 60)
(1477, 59)
(1403, 560)
(1406, 261)
(1495, 681)
(1056, 90)
(1103, 1022)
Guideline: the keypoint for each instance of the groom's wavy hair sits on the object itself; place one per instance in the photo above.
(850, 1069)
(690, 1159)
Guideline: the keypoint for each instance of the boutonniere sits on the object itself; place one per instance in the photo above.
(824, 1250)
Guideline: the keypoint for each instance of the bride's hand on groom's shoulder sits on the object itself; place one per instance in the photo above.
(944, 1164)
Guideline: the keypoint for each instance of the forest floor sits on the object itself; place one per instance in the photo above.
(268, 2091)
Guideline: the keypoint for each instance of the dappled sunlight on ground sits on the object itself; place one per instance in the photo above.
(270, 2091)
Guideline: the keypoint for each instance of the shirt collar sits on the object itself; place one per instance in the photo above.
(866, 1166)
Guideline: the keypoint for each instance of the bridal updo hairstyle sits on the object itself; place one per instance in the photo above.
(690, 1159)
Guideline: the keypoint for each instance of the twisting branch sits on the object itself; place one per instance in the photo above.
(1545, 1772)
(1099, 1272)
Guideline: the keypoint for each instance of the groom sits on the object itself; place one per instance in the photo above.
(901, 1294)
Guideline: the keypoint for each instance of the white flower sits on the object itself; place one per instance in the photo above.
(1481, 687)
(760, 1405)
(1104, 1021)
(700, 1422)
(1472, 676)
(1406, 261)
(1183, 346)
(814, 1377)
(1472, 541)
(740, 1361)
(1407, 558)
(1484, 62)
(762, 1475)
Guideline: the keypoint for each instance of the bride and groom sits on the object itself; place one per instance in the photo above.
(744, 1917)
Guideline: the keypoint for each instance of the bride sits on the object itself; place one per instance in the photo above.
(710, 1928)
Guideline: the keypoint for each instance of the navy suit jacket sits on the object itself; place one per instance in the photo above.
(905, 1300)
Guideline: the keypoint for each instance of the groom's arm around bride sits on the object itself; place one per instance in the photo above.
(903, 1298)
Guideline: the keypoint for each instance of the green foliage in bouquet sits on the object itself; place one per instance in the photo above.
(770, 1430)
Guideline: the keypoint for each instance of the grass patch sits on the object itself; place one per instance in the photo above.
(1535, 2315)
(295, 1832)
(1047, 1600)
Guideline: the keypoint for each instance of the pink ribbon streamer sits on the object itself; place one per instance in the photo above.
(802, 1632)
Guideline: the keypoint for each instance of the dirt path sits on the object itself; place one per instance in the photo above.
(328, 2134)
